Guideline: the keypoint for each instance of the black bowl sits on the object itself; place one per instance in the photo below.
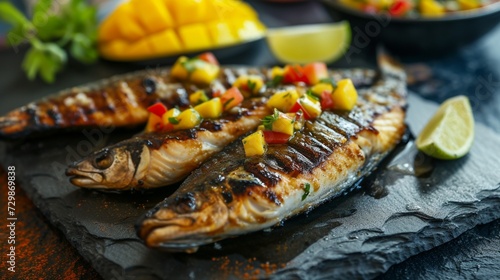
(416, 35)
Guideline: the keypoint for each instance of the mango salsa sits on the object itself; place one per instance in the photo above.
(345, 95)
(189, 118)
(283, 100)
(254, 144)
(210, 109)
(167, 27)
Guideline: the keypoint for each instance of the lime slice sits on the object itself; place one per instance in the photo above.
(310, 43)
(450, 132)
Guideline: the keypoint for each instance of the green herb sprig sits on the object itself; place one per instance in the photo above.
(52, 34)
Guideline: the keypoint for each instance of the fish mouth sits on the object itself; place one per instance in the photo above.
(84, 178)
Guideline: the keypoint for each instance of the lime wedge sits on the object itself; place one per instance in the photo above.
(310, 43)
(450, 132)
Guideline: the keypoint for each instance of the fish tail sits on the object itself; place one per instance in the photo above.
(390, 68)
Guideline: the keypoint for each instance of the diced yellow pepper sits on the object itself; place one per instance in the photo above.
(318, 89)
(345, 95)
(468, 4)
(431, 8)
(283, 100)
(198, 97)
(172, 113)
(204, 72)
(189, 118)
(178, 70)
(311, 105)
(283, 124)
(195, 36)
(250, 84)
(210, 109)
(255, 144)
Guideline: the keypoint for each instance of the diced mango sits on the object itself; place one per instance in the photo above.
(283, 125)
(311, 105)
(195, 36)
(345, 95)
(155, 123)
(178, 71)
(254, 144)
(190, 11)
(172, 113)
(249, 85)
(198, 97)
(210, 109)
(152, 14)
(139, 49)
(431, 8)
(318, 89)
(128, 27)
(221, 34)
(189, 118)
(277, 71)
(165, 42)
(283, 100)
(204, 72)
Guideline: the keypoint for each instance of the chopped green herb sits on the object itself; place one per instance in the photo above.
(330, 81)
(251, 85)
(191, 64)
(267, 121)
(307, 189)
(286, 95)
(311, 95)
(173, 120)
(275, 81)
(227, 102)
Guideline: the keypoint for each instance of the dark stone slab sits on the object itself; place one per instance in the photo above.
(394, 216)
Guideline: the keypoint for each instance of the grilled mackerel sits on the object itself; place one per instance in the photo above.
(154, 160)
(231, 194)
(121, 101)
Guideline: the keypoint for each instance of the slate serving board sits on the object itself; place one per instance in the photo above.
(393, 216)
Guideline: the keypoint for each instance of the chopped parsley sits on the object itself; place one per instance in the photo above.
(311, 95)
(275, 81)
(307, 190)
(173, 120)
(330, 81)
(251, 85)
(191, 64)
(267, 121)
(227, 102)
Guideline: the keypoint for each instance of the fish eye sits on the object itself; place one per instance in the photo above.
(103, 160)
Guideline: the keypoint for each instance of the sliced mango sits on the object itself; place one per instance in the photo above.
(221, 34)
(165, 42)
(195, 36)
(152, 14)
(129, 29)
(190, 11)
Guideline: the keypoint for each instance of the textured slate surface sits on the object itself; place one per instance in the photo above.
(394, 216)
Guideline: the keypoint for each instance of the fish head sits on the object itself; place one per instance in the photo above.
(110, 168)
(184, 222)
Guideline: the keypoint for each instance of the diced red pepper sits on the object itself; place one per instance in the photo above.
(315, 72)
(326, 100)
(400, 7)
(232, 97)
(158, 109)
(209, 57)
(294, 74)
(298, 107)
(273, 137)
(217, 93)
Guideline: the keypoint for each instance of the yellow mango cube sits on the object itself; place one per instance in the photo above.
(195, 36)
(190, 11)
(138, 50)
(311, 105)
(178, 71)
(198, 97)
(128, 25)
(154, 123)
(210, 109)
(165, 42)
(318, 89)
(345, 95)
(204, 72)
(255, 144)
(249, 84)
(152, 14)
(283, 125)
(468, 4)
(172, 113)
(283, 100)
(189, 118)
(277, 71)
(431, 8)
(221, 34)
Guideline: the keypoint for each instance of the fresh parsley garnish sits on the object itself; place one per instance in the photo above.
(311, 95)
(267, 121)
(307, 189)
(330, 81)
(275, 81)
(227, 102)
(52, 34)
(251, 85)
(173, 120)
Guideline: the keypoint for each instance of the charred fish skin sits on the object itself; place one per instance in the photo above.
(153, 160)
(120, 101)
(230, 194)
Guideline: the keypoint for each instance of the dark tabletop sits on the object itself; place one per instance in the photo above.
(473, 71)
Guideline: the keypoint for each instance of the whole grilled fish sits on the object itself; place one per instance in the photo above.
(120, 101)
(231, 194)
(154, 160)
